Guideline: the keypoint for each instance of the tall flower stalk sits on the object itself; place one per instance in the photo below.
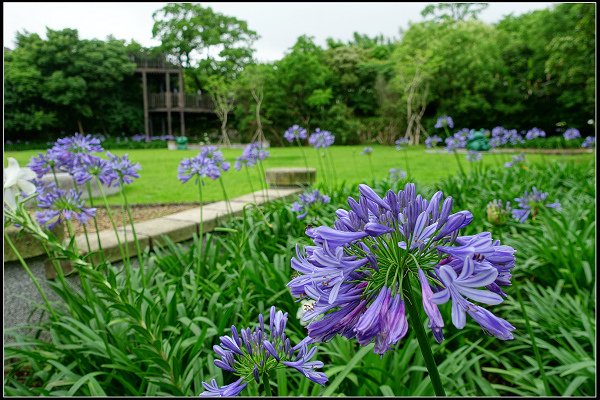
(253, 154)
(321, 140)
(296, 133)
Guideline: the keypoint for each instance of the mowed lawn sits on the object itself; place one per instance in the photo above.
(159, 184)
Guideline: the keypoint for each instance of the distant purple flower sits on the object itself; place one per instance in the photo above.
(321, 139)
(208, 163)
(367, 151)
(67, 152)
(473, 156)
(250, 353)
(589, 141)
(572, 133)
(397, 174)
(531, 203)
(253, 153)
(444, 121)
(138, 138)
(516, 160)
(295, 132)
(356, 270)
(308, 199)
(400, 142)
(125, 170)
(534, 133)
(90, 166)
(432, 141)
(513, 137)
(58, 204)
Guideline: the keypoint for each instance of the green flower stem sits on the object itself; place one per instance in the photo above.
(536, 351)
(460, 168)
(112, 222)
(31, 276)
(267, 385)
(417, 324)
(135, 238)
(303, 153)
(263, 179)
(332, 165)
(406, 163)
(227, 202)
(371, 167)
(319, 157)
(201, 218)
(250, 183)
(89, 190)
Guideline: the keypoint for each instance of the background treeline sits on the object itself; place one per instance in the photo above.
(535, 69)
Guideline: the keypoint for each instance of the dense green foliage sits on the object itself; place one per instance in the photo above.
(154, 337)
(535, 69)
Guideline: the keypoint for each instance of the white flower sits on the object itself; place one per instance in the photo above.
(305, 306)
(16, 180)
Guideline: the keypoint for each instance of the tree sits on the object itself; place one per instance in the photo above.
(64, 83)
(203, 41)
(222, 94)
(252, 81)
(453, 12)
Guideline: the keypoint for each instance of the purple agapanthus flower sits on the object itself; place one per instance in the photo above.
(530, 203)
(250, 353)
(458, 140)
(519, 159)
(253, 153)
(43, 164)
(208, 163)
(473, 156)
(125, 170)
(432, 141)
(397, 174)
(534, 133)
(58, 204)
(139, 137)
(321, 139)
(295, 132)
(400, 142)
(356, 272)
(589, 141)
(307, 200)
(90, 166)
(572, 133)
(68, 151)
(367, 151)
(444, 121)
(513, 137)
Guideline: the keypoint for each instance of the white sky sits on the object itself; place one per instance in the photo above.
(278, 24)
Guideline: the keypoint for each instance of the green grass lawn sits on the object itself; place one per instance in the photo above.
(159, 183)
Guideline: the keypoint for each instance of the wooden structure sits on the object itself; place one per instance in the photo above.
(161, 102)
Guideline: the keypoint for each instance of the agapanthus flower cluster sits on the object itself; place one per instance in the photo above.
(498, 213)
(367, 151)
(90, 166)
(208, 163)
(397, 174)
(253, 153)
(519, 159)
(306, 200)
(530, 203)
(360, 272)
(473, 156)
(589, 141)
(534, 133)
(432, 141)
(572, 133)
(444, 121)
(513, 137)
(58, 205)
(295, 132)
(400, 142)
(321, 139)
(125, 170)
(252, 353)
(68, 151)
(458, 140)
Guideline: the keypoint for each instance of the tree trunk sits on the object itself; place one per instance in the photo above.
(80, 126)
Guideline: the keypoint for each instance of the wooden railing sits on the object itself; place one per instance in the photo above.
(152, 62)
(159, 100)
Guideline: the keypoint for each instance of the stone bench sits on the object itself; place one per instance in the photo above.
(27, 245)
(288, 176)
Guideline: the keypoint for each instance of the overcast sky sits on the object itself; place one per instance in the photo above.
(278, 24)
